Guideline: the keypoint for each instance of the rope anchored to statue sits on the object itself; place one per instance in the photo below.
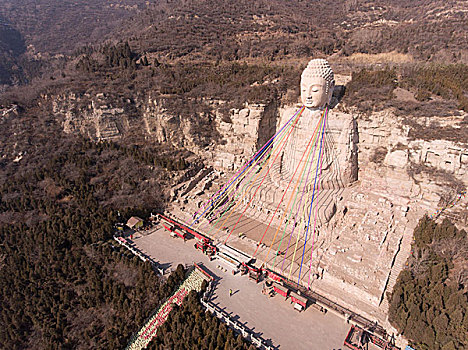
(302, 163)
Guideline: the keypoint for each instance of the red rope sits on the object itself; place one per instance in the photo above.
(264, 177)
(289, 184)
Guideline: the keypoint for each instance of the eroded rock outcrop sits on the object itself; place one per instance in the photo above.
(93, 116)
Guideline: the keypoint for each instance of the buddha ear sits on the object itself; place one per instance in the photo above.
(332, 88)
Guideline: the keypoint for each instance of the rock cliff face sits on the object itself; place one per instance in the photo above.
(363, 248)
(92, 116)
(157, 124)
(103, 117)
(243, 133)
(376, 147)
(385, 180)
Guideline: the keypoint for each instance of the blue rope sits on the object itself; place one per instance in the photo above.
(269, 143)
(313, 195)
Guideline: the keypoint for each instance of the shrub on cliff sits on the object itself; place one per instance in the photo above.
(447, 81)
(369, 90)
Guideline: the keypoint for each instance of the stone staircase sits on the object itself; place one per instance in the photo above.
(141, 339)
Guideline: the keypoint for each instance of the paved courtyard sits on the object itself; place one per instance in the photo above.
(274, 319)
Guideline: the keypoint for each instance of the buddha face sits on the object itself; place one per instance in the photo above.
(315, 92)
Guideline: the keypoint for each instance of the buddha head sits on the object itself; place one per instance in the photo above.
(317, 83)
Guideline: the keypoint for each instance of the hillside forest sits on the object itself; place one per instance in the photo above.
(63, 283)
(429, 303)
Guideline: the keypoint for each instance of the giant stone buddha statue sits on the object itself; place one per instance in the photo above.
(339, 151)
